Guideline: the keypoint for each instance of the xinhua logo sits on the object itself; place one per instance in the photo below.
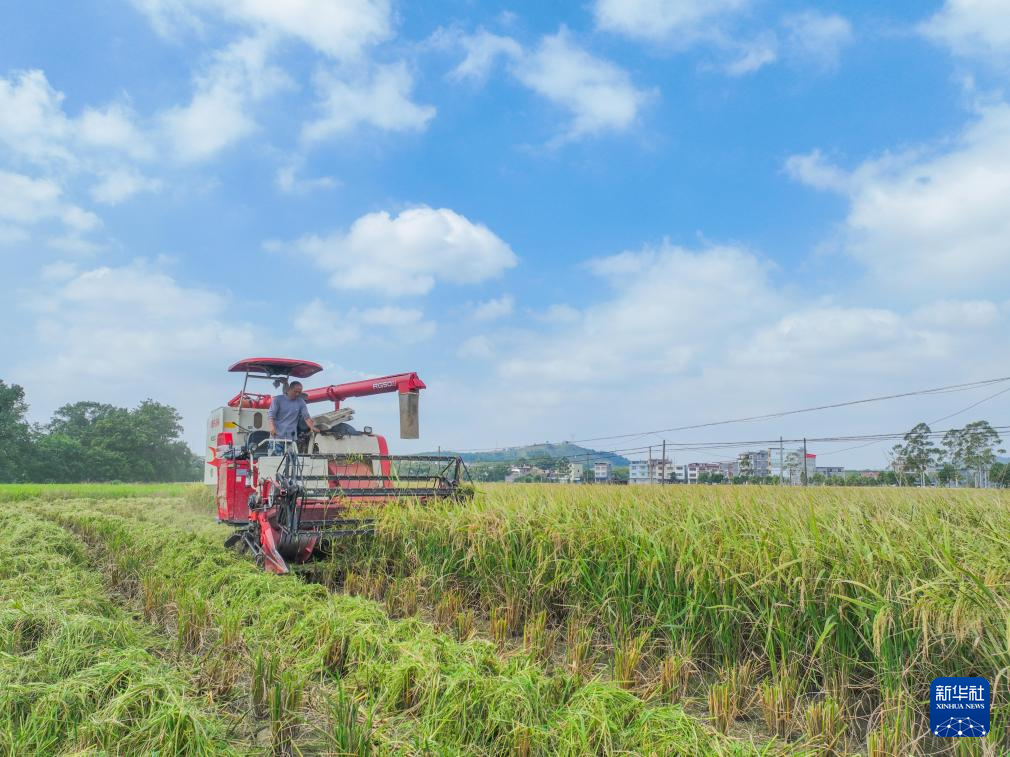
(959, 706)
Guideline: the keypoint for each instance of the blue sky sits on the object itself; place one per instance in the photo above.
(572, 220)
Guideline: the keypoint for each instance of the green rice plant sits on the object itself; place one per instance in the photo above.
(778, 701)
(351, 734)
(499, 627)
(264, 677)
(285, 706)
(402, 598)
(230, 627)
(537, 638)
(335, 654)
(192, 618)
(627, 656)
(578, 645)
(675, 673)
(824, 725)
(723, 705)
(428, 692)
(895, 733)
(78, 674)
(465, 624)
(448, 609)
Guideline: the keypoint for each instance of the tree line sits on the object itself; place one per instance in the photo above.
(965, 456)
(93, 441)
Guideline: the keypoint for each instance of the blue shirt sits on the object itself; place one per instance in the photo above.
(285, 413)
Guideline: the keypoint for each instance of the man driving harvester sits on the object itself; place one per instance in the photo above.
(286, 411)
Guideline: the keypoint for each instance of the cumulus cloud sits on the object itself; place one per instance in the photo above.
(325, 326)
(932, 219)
(407, 254)
(665, 301)
(122, 323)
(482, 51)
(289, 181)
(753, 55)
(117, 185)
(493, 309)
(218, 114)
(677, 21)
(598, 94)
(381, 99)
(972, 28)
(25, 201)
(337, 29)
(817, 37)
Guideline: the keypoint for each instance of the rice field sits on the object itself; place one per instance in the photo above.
(534, 620)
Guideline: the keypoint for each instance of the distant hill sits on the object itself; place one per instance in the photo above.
(573, 452)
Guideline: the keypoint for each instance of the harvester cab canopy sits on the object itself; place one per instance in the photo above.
(274, 367)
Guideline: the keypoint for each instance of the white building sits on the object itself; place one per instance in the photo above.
(755, 464)
(789, 465)
(651, 471)
(602, 471)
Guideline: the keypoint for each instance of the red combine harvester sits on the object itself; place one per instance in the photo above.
(289, 500)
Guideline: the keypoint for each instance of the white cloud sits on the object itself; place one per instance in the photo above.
(123, 323)
(289, 182)
(494, 309)
(814, 170)
(818, 37)
(114, 127)
(931, 220)
(337, 28)
(838, 335)
(476, 348)
(32, 122)
(483, 49)
(407, 254)
(118, 185)
(324, 326)
(25, 201)
(667, 303)
(678, 22)
(218, 115)
(599, 95)
(973, 28)
(381, 99)
(754, 56)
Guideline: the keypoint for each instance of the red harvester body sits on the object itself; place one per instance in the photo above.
(292, 499)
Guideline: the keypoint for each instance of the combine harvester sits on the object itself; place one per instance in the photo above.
(289, 500)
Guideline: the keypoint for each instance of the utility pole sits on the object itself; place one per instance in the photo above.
(662, 476)
(648, 474)
(782, 462)
(804, 461)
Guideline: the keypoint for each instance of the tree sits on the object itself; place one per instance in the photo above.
(15, 433)
(917, 455)
(999, 475)
(973, 448)
(946, 474)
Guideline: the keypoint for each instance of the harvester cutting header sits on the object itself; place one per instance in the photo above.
(291, 495)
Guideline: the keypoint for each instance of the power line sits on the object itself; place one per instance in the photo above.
(781, 414)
